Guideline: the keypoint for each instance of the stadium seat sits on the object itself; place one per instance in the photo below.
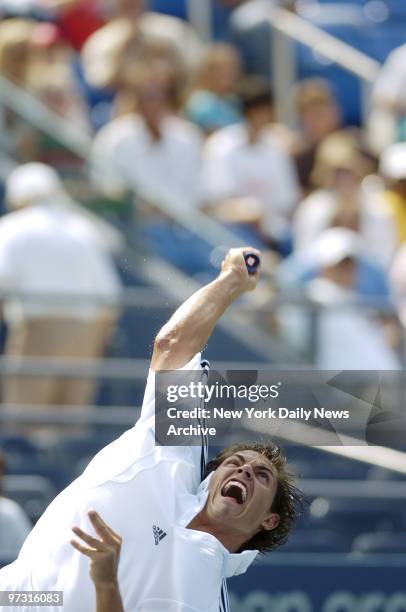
(317, 540)
(383, 542)
(352, 516)
(5, 561)
(33, 493)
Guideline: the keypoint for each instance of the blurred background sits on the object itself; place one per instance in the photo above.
(139, 140)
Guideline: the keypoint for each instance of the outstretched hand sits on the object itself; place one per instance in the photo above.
(104, 553)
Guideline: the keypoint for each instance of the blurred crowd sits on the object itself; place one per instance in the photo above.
(190, 129)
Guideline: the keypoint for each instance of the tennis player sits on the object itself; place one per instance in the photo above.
(167, 540)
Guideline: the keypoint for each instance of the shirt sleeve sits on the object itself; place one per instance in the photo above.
(137, 449)
(148, 405)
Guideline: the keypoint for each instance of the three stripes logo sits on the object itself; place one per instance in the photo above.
(159, 534)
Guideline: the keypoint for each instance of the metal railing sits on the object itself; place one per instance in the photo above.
(289, 28)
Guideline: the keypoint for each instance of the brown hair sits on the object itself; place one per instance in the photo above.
(288, 500)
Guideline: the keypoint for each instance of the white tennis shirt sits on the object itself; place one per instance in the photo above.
(148, 494)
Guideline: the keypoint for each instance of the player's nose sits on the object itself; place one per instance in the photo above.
(246, 470)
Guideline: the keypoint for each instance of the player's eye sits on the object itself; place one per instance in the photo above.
(263, 475)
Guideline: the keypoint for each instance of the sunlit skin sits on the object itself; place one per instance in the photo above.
(224, 517)
(258, 117)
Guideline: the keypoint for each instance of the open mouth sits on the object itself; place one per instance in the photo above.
(235, 490)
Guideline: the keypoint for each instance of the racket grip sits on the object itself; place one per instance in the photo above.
(252, 262)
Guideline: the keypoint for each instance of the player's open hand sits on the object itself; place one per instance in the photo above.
(104, 553)
(234, 261)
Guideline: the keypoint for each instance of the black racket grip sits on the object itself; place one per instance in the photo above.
(252, 262)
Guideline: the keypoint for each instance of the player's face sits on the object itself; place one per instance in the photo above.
(241, 493)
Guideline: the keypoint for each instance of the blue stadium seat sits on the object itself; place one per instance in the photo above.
(383, 542)
(317, 540)
(5, 561)
(352, 516)
(33, 493)
(77, 452)
(381, 474)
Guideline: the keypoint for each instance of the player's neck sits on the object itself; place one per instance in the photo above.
(231, 540)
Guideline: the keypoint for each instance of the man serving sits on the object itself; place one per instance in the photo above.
(180, 537)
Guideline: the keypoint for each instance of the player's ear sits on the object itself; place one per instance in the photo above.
(271, 521)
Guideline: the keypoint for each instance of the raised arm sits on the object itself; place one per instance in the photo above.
(190, 327)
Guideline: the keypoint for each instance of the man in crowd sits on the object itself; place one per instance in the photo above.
(153, 151)
(181, 537)
(249, 178)
(14, 523)
(59, 285)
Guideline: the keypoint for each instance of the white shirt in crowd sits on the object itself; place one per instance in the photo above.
(167, 170)
(148, 494)
(49, 250)
(315, 214)
(233, 167)
(347, 338)
(390, 85)
(14, 528)
(397, 279)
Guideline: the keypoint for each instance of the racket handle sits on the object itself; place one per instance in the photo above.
(252, 262)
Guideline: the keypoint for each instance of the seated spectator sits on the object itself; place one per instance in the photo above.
(371, 282)
(124, 37)
(59, 284)
(77, 19)
(387, 122)
(347, 336)
(15, 57)
(50, 76)
(153, 151)
(14, 523)
(318, 117)
(34, 57)
(397, 279)
(249, 178)
(340, 200)
(213, 102)
(112, 58)
(392, 168)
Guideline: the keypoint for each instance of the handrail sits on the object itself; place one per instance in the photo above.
(327, 45)
(31, 109)
(79, 142)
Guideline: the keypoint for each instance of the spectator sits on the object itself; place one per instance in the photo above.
(153, 151)
(51, 78)
(214, 102)
(393, 199)
(14, 523)
(319, 116)
(123, 40)
(348, 337)
(387, 122)
(249, 177)
(33, 57)
(61, 286)
(340, 200)
(15, 53)
(397, 279)
(77, 19)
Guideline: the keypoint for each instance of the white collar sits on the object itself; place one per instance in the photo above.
(233, 563)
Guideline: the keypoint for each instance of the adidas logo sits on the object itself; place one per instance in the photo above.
(159, 534)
